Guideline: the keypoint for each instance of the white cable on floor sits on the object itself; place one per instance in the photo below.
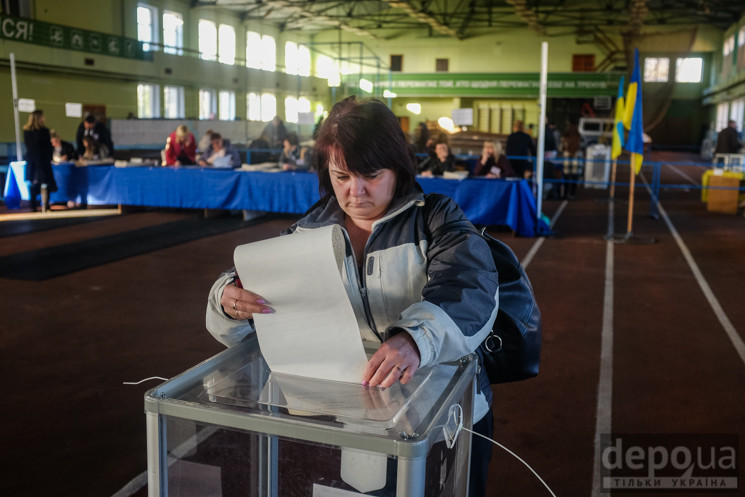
(144, 380)
(513, 455)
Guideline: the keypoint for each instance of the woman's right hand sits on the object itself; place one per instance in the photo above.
(239, 303)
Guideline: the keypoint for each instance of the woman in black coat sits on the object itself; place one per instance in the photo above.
(39, 152)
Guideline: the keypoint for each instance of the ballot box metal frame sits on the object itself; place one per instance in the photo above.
(409, 449)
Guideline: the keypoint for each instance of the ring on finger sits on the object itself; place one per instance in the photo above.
(235, 302)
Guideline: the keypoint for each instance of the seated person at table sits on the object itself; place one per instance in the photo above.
(220, 153)
(437, 164)
(95, 129)
(259, 148)
(293, 155)
(63, 151)
(93, 150)
(181, 148)
(493, 163)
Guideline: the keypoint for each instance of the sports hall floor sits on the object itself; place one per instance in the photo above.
(643, 338)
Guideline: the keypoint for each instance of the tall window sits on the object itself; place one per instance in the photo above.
(173, 102)
(226, 44)
(147, 26)
(253, 107)
(689, 70)
(148, 101)
(207, 104)
(227, 106)
(722, 115)
(268, 107)
(656, 69)
(207, 40)
(297, 59)
(327, 68)
(173, 32)
(294, 106)
(261, 51)
(737, 112)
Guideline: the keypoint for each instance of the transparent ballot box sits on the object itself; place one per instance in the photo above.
(231, 427)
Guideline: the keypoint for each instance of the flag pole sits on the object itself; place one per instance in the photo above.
(613, 179)
(632, 183)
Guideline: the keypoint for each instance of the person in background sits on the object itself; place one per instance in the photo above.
(259, 150)
(93, 150)
(181, 148)
(63, 151)
(39, 152)
(204, 141)
(220, 153)
(293, 155)
(422, 136)
(520, 144)
(728, 142)
(436, 165)
(96, 129)
(571, 144)
(433, 301)
(276, 132)
(493, 163)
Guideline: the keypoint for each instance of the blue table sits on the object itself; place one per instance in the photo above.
(485, 201)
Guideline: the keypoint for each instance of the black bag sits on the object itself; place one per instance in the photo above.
(512, 351)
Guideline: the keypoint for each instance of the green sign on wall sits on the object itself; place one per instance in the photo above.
(54, 35)
(564, 85)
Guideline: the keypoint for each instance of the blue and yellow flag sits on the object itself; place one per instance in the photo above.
(633, 117)
(617, 143)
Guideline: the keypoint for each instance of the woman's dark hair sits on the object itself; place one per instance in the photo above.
(292, 138)
(364, 136)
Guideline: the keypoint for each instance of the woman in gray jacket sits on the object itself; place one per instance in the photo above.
(423, 301)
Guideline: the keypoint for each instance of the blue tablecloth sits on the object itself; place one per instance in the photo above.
(485, 201)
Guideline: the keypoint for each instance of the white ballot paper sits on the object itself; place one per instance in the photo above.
(313, 331)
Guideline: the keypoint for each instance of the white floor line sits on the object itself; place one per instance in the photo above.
(729, 328)
(605, 381)
(537, 245)
(684, 175)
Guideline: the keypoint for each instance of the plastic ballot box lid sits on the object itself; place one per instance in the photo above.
(239, 380)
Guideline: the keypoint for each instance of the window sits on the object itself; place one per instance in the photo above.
(147, 26)
(173, 102)
(297, 59)
(207, 104)
(737, 112)
(268, 107)
(226, 44)
(656, 69)
(327, 68)
(173, 33)
(261, 51)
(253, 50)
(294, 106)
(397, 63)
(148, 101)
(227, 106)
(583, 62)
(441, 65)
(722, 115)
(268, 54)
(253, 107)
(729, 46)
(207, 40)
(689, 70)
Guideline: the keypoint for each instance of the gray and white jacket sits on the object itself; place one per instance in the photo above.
(443, 292)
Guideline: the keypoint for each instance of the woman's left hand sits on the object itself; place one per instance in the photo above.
(396, 360)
